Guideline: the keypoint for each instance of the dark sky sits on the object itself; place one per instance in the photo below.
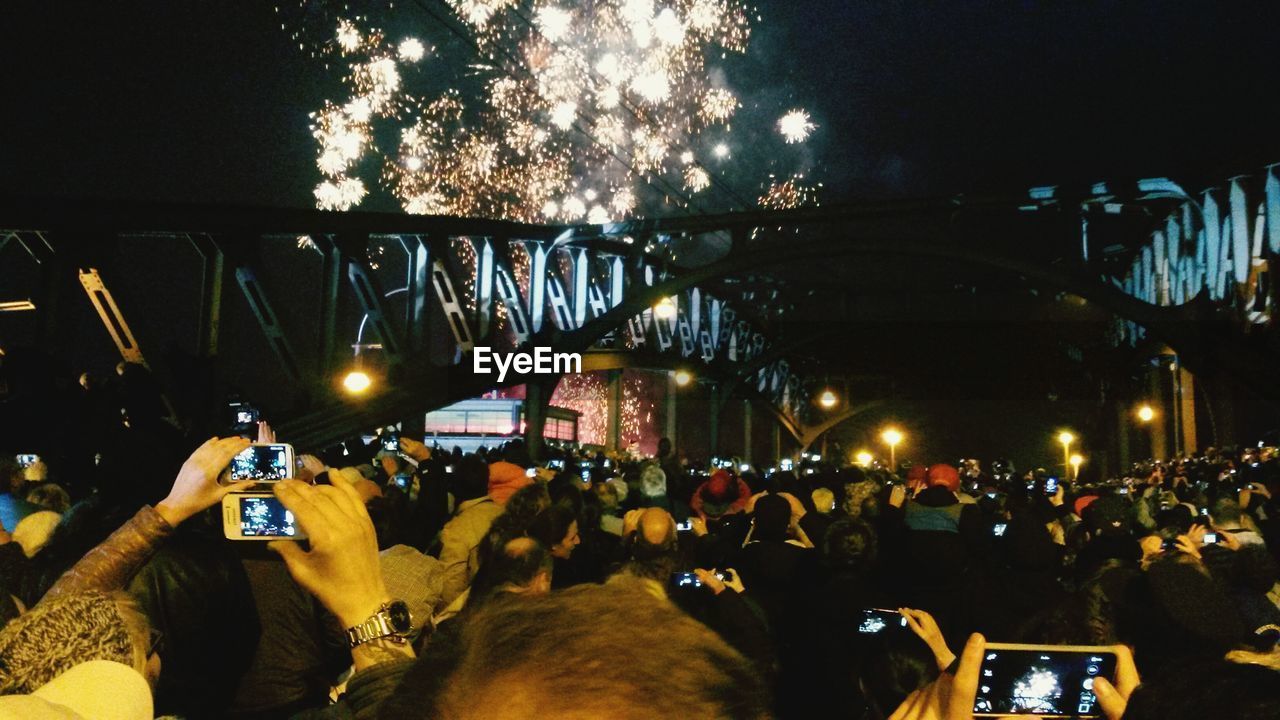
(208, 101)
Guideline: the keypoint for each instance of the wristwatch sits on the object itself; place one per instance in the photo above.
(392, 621)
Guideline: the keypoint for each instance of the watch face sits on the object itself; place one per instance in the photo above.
(400, 617)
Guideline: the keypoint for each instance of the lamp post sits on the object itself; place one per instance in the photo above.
(1076, 461)
(1066, 438)
(892, 437)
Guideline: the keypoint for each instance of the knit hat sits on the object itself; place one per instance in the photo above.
(944, 475)
(653, 481)
(94, 690)
(720, 486)
(1107, 515)
(505, 479)
(1083, 502)
(33, 531)
(58, 634)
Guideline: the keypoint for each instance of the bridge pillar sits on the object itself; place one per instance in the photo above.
(713, 418)
(672, 409)
(1185, 388)
(613, 432)
(1159, 433)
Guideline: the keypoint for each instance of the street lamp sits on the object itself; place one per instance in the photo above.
(828, 399)
(665, 309)
(863, 458)
(892, 437)
(356, 382)
(683, 377)
(1146, 414)
(1066, 438)
(1076, 461)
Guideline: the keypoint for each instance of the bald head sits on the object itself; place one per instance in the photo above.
(656, 526)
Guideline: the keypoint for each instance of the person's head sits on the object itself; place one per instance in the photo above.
(50, 497)
(850, 544)
(525, 659)
(664, 447)
(470, 477)
(824, 501)
(557, 529)
(943, 475)
(11, 476)
(1225, 511)
(521, 566)
(58, 634)
(771, 519)
(653, 481)
(1216, 688)
(607, 493)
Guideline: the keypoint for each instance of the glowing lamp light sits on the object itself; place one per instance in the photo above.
(863, 458)
(356, 382)
(1146, 414)
(892, 437)
(1076, 461)
(683, 377)
(665, 309)
(1066, 438)
(828, 399)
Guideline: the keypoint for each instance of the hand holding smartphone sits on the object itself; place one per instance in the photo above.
(1042, 680)
(258, 516)
(261, 462)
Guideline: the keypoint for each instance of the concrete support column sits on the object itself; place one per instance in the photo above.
(613, 431)
(777, 443)
(713, 418)
(746, 431)
(672, 409)
(1157, 386)
(1186, 390)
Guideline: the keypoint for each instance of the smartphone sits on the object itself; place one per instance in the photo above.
(744, 467)
(1123, 491)
(555, 464)
(1043, 680)
(586, 476)
(391, 440)
(402, 481)
(786, 464)
(1050, 486)
(685, 526)
(1210, 538)
(448, 468)
(531, 472)
(607, 463)
(27, 460)
(999, 528)
(262, 462)
(690, 579)
(877, 620)
(243, 413)
(257, 516)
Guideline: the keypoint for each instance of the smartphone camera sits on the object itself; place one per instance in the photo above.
(685, 580)
(875, 621)
(531, 472)
(685, 526)
(744, 467)
(1041, 680)
(27, 460)
(267, 462)
(786, 464)
(999, 528)
(258, 516)
(1210, 538)
(391, 440)
(402, 481)
(1050, 486)
(555, 464)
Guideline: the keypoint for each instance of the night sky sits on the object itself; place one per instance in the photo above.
(208, 102)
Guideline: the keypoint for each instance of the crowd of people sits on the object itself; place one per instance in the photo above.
(590, 586)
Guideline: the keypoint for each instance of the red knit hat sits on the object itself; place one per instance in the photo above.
(719, 485)
(944, 475)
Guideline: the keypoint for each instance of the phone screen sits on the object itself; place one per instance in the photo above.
(264, 463)
(685, 579)
(875, 620)
(391, 441)
(27, 461)
(1043, 681)
(265, 517)
(999, 528)
(684, 526)
(1051, 486)
(402, 481)
(1210, 538)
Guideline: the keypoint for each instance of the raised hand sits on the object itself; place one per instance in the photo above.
(926, 628)
(1113, 699)
(196, 486)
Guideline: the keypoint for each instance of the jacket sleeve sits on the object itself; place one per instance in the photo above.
(365, 693)
(695, 503)
(110, 565)
(455, 556)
